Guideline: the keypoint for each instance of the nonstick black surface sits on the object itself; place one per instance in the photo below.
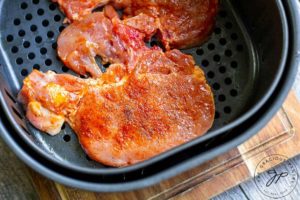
(242, 62)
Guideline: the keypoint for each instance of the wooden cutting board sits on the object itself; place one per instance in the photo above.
(280, 136)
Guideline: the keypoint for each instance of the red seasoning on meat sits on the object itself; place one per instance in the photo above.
(180, 24)
(122, 123)
(100, 34)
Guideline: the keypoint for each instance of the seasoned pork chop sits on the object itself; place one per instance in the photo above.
(179, 24)
(121, 123)
(113, 41)
(100, 35)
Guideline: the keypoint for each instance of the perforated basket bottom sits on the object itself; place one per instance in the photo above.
(29, 31)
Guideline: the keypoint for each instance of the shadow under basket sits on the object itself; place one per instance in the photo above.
(250, 61)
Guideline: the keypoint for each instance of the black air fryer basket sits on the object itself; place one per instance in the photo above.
(250, 61)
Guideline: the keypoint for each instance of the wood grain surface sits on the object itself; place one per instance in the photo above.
(15, 177)
(285, 144)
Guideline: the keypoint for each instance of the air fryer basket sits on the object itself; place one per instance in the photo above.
(244, 61)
